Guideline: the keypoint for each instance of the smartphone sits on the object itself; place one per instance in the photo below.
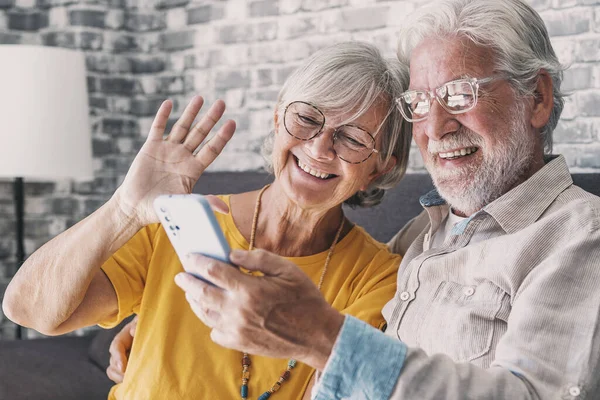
(191, 226)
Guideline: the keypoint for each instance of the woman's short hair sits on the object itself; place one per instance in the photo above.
(512, 29)
(354, 76)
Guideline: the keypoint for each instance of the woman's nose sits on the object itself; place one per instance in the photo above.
(321, 146)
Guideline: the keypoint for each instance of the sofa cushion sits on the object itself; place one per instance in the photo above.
(50, 369)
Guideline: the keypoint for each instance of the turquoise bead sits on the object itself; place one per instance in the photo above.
(244, 391)
(292, 363)
(264, 396)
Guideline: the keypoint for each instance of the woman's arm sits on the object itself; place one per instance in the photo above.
(61, 286)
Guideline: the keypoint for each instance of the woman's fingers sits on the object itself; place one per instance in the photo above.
(214, 146)
(202, 128)
(182, 126)
(160, 121)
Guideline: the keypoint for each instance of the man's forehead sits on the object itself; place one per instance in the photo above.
(436, 61)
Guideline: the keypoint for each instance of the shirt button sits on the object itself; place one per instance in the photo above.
(469, 291)
(574, 391)
(404, 296)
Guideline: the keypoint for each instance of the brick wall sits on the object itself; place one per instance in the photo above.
(141, 51)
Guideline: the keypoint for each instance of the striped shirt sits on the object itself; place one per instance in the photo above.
(508, 307)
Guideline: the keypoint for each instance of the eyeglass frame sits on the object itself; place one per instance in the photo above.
(335, 131)
(475, 83)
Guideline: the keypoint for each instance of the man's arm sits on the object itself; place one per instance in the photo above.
(551, 349)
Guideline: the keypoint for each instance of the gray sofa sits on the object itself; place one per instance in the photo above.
(72, 368)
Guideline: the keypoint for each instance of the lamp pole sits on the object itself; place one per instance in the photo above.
(19, 197)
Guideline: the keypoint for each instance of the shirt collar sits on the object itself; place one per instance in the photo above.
(521, 206)
(525, 204)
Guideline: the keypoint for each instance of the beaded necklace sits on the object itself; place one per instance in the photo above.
(291, 363)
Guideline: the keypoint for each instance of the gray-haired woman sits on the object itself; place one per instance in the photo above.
(338, 138)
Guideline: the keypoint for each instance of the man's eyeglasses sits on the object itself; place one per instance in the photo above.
(456, 97)
(351, 143)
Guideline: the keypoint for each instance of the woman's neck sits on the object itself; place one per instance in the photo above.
(290, 231)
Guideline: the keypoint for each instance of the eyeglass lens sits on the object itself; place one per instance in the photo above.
(454, 96)
(305, 122)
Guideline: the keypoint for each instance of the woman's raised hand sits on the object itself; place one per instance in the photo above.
(170, 165)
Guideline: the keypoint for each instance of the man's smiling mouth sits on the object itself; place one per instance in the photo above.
(453, 155)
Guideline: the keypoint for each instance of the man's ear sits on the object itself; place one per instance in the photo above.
(543, 100)
(382, 171)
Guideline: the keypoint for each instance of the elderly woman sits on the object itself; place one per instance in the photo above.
(338, 138)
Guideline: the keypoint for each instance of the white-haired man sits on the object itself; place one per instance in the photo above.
(497, 296)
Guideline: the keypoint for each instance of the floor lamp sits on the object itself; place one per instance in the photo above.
(45, 126)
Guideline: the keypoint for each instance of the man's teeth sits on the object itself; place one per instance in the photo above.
(458, 153)
(308, 170)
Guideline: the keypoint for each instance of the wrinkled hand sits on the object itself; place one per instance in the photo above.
(119, 351)
(170, 165)
(281, 314)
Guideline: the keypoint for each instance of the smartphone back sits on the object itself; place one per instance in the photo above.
(191, 226)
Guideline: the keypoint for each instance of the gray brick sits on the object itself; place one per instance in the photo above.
(27, 20)
(91, 205)
(173, 41)
(590, 158)
(39, 188)
(576, 78)
(589, 50)
(147, 65)
(119, 105)
(170, 3)
(145, 106)
(7, 3)
(597, 24)
(145, 22)
(147, 43)
(170, 84)
(364, 18)
(91, 40)
(234, 33)
(120, 127)
(317, 5)
(119, 86)
(115, 19)
(293, 27)
(90, 18)
(289, 6)
(10, 38)
(568, 22)
(204, 14)
(59, 39)
(263, 8)
(92, 84)
(100, 185)
(589, 103)
(283, 73)
(101, 147)
(578, 131)
(98, 103)
(540, 5)
(232, 79)
(264, 77)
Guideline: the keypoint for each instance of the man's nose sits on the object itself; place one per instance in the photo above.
(321, 146)
(439, 122)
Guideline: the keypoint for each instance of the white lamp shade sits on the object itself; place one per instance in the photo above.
(44, 114)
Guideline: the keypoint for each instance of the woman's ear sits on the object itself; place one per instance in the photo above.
(380, 171)
(543, 100)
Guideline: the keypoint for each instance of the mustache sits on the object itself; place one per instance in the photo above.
(463, 137)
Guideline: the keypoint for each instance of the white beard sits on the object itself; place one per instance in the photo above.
(469, 188)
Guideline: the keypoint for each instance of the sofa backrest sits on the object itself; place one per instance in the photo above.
(399, 205)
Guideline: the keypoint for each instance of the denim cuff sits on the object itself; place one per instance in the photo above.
(364, 363)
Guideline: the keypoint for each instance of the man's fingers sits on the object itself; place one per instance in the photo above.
(211, 149)
(160, 121)
(202, 292)
(217, 204)
(114, 375)
(182, 126)
(261, 260)
(221, 274)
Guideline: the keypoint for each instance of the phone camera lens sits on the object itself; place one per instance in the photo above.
(162, 209)
(171, 227)
(167, 219)
(176, 227)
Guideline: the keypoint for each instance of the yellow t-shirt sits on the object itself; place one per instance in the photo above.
(172, 355)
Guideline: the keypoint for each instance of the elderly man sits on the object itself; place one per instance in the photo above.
(498, 295)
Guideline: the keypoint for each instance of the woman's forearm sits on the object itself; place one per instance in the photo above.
(54, 280)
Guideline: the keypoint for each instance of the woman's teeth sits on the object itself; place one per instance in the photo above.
(458, 153)
(308, 170)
